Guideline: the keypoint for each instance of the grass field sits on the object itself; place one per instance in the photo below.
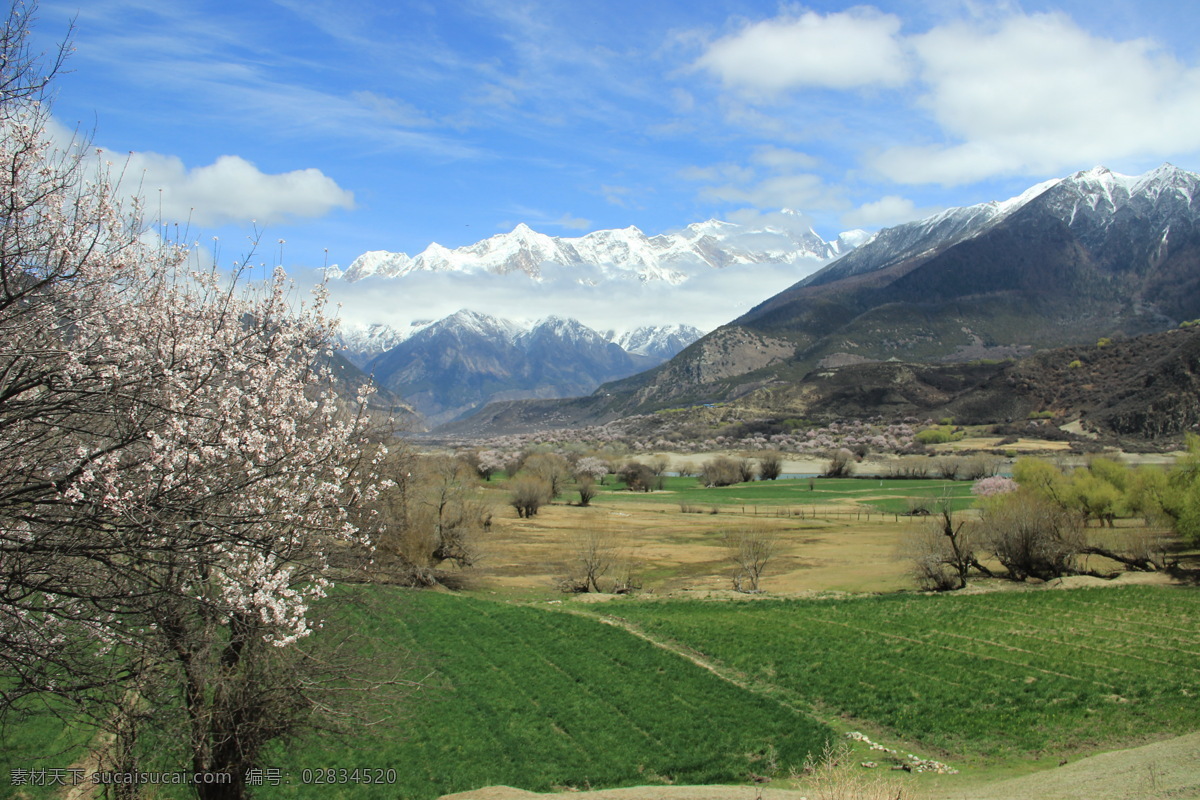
(526, 688)
(539, 699)
(549, 697)
(988, 676)
(881, 494)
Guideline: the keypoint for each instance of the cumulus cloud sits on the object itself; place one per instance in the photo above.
(230, 190)
(843, 50)
(1038, 94)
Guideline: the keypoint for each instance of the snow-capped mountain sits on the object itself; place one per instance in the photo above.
(659, 341)
(1069, 261)
(616, 254)
(459, 363)
(361, 344)
(1089, 202)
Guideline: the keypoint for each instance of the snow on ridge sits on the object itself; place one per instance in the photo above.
(612, 253)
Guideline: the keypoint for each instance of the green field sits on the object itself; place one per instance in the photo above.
(549, 696)
(992, 676)
(882, 494)
(539, 699)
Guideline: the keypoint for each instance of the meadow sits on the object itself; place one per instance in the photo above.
(545, 699)
(523, 686)
(975, 677)
(800, 495)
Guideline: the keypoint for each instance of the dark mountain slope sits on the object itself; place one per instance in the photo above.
(1095, 254)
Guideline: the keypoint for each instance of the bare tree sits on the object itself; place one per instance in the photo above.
(746, 471)
(659, 464)
(841, 464)
(527, 495)
(943, 551)
(720, 471)
(593, 552)
(431, 514)
(750, 550)
(638, 477)
(586, 486)
(770, 465)
(552, 469)
(1032, 536)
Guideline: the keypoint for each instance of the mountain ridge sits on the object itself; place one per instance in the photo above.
(1081, 257)
(624, 252)
(454, 365)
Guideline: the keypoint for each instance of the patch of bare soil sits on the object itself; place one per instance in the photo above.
(1167, 770)
(640, 793)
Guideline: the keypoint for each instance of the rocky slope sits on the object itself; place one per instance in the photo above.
(1068, 261)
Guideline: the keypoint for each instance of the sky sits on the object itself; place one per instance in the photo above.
(327, 128)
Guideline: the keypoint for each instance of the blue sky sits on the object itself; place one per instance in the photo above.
(349, 125)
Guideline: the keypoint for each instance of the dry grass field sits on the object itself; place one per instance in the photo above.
(672, 551)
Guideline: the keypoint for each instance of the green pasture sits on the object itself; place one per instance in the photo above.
(881, 494)
(992, 676)
(541, 698)
(538, 699)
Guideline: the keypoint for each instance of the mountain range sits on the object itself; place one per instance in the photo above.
(1095, 255)
(457, 364)
(618, 255)
(1091, 255)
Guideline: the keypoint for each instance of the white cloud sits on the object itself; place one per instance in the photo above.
(1038, 94)
(888, 210)
(711, 297)
(843, 50)
(799, 191)
(230, 190)
(781, 158)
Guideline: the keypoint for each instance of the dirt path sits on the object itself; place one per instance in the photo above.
(1167, 770)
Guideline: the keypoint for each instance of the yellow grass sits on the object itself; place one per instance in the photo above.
(680, 552)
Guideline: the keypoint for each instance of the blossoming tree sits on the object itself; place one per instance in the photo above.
(174, 460)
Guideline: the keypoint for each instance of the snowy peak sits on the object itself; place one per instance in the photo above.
(1092, 200)
(657, 341)
(454, 365)
(614, 254)
(1089, 202)
(473, 323)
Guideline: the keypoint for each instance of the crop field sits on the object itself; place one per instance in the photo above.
(878, 494)
(539, 699)
(991, 676)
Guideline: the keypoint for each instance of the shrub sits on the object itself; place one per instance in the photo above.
(841, 465)
(720, 471)
(639, 477)
(527, 495)
(770, 465)
(934, 436)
